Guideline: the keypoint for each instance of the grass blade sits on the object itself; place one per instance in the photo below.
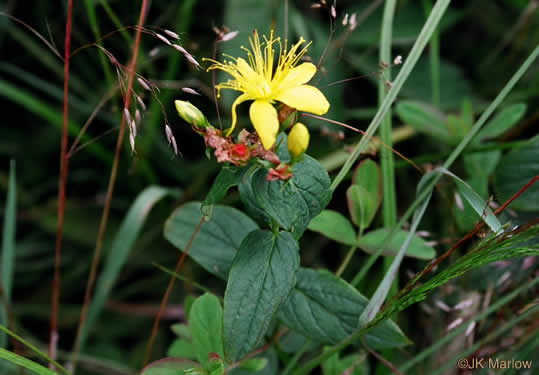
(121, 246)
(34, 349)
(8, 249)
(428, 29)
(24, 362)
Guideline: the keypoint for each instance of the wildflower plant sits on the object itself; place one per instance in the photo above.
(282, 188)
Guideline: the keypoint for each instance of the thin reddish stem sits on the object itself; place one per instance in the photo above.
(366, 135)
(164, 301)
(64, 164)
(112, 181)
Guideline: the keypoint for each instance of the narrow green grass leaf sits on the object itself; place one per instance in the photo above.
(119, 251)
(8, 250)
(33, 348)
(409, 63)
(261, 277)
(383, 288)
(26, 363)
(479, 205)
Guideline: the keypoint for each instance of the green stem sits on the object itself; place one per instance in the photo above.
(389, 202)
(434, 53)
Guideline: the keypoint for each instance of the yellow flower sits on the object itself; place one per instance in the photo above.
(258, 80)
(298, 140)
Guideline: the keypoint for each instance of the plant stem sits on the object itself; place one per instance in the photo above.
(389, 201)
(434, 51)
(112, 181)
(62, 182)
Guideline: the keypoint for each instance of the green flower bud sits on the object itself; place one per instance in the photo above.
(298, 140)
(191, 114)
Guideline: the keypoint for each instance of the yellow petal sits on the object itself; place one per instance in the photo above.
(298, 139)
(240, 99)
(298, 76)
(245, 69)
(305, 98)
(264, 118)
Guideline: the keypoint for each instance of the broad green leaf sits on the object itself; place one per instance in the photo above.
(362, 205)
(326, 308)
(291, 203)
(119, 251)
(371, 242)
(217, 241)
(260, 279)
(514, 171)
(504, 120)
(206, 323)
(425, 119)
(169, 366)
(335, 226)
(182, 348)
(369, 177)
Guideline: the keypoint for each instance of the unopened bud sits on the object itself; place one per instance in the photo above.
(298, 140)
(191, 114)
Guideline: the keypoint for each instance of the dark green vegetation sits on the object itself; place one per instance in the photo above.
(465, 112)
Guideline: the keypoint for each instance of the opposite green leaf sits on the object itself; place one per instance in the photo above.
(335, 226)
(260, 279)
(217, 241)
(371, 242)
(206, 323)
(362, 205)
(291, 203)
(326, 308)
